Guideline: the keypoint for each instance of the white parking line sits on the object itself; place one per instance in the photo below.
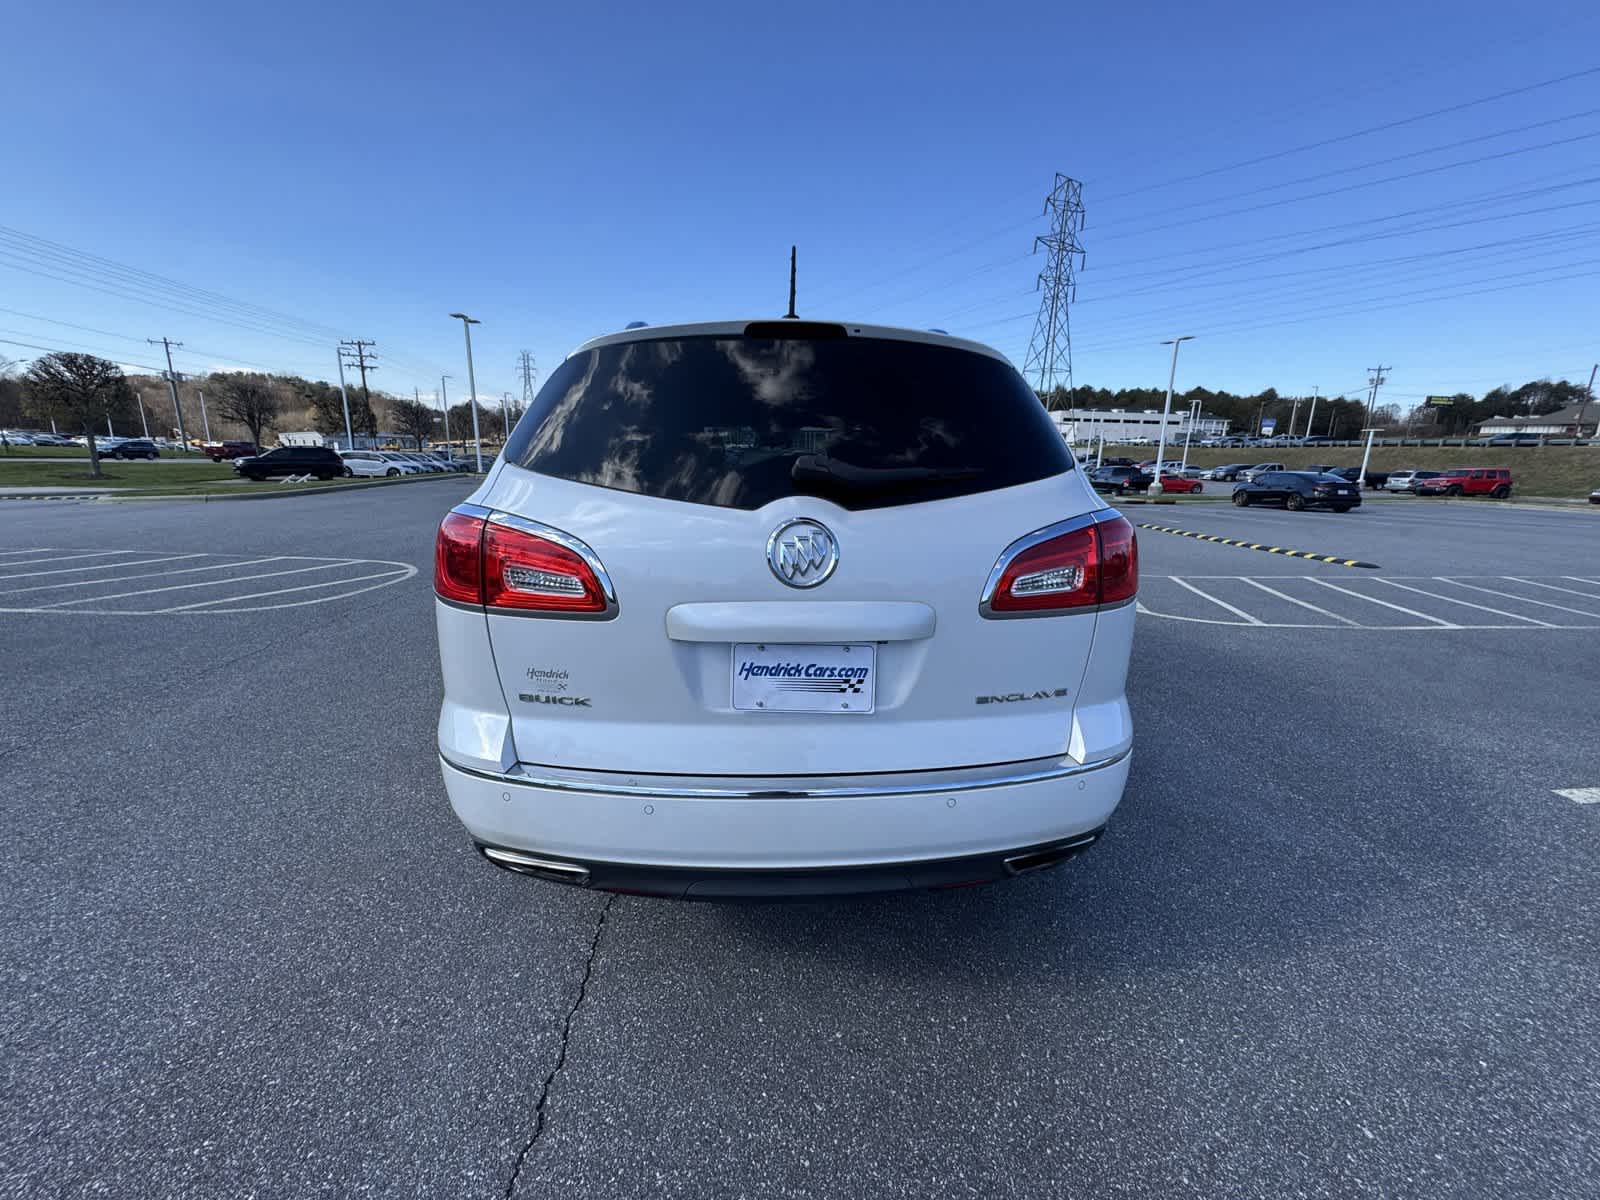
(1525, 599)
(56, 587)
(143, 562)
(9, 553)
(283, 591)
(1238, 612)
(1499, 612)
(1552, 587)
(1302, 603)
(179, 587)
(1580, 795)
(1410, 612)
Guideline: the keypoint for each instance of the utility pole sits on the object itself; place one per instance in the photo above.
(528, 371)
(172, 383)
(364, 360)
(1375, 379)
(1312, 415)
(1049, 358)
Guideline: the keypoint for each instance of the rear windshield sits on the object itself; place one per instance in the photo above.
(739, 422)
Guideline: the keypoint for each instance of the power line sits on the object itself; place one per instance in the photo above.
(1366, 166)
(1322, 195)
(1359, 133)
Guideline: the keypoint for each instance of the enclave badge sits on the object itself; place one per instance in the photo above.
(802, 553)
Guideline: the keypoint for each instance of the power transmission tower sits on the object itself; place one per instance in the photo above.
(528, 371)
(172, 382)
(1375, 381)
(364, 360)
(1049, 358)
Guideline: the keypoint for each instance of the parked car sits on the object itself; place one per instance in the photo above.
(134, 448)
(1119, 480)
(51, 439)
(320, 461)
(749, 748)
(1251, 472)
(1296, 490)
(220, 451)
(1468, 481)
(1404, 481)
(370, 463)
(1511, 439)
(431, 465)
(1316, 441)
(1374, 479)
(1226, 473)
(1172, 481)
(1594, 496)
(15, 437)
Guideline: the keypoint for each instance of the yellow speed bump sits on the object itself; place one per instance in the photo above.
(1243, 545)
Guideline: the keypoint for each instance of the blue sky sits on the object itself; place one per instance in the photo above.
(366, 169)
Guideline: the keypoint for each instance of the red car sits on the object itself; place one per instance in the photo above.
(1177, 483)
(1468, 481)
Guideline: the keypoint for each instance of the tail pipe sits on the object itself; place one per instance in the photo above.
(539, 868)
(1050, 856)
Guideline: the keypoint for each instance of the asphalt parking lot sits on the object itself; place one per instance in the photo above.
(1343, 938)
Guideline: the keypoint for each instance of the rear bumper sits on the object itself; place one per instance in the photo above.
(723, 839)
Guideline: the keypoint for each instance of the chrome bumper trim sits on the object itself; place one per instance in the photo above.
(595, 783)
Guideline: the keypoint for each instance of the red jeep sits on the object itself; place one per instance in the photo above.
(226, 451)
(1468, 481)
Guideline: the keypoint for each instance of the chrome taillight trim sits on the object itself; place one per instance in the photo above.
(561, 538)
(1027, 542)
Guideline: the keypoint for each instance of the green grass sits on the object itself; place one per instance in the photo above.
(1570, 472)
(157, 479)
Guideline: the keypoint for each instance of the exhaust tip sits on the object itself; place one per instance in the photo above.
(1050, 856)
(539, 868)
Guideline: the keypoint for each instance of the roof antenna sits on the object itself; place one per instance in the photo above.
(791, 315)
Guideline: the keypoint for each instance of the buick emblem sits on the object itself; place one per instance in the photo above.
(802, 553)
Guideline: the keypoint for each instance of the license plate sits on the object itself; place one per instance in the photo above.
(768, 677)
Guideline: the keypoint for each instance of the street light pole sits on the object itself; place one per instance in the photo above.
(472, 386)
(1312, 415)
(1361, 479)
(1194, 416)
(1161, 444)
(444, 407)
(205, 421)
(349, 436)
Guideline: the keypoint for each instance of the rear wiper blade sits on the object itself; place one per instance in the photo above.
(819, 468)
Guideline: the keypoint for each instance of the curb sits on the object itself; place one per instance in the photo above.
(1242, 545)
(206, 498)
(53, 496)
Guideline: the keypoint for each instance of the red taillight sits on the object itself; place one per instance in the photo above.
(527, 572)
(457, 559)
(1098, 564)
(482, 562)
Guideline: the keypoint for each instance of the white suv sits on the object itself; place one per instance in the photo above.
(784, 607)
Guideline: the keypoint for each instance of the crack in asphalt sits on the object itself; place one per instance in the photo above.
(561, 1055)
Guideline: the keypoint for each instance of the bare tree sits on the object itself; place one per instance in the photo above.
(251, 400)
(79, 390)
(413, 418)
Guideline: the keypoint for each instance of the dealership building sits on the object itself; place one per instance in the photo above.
(1086, 425)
